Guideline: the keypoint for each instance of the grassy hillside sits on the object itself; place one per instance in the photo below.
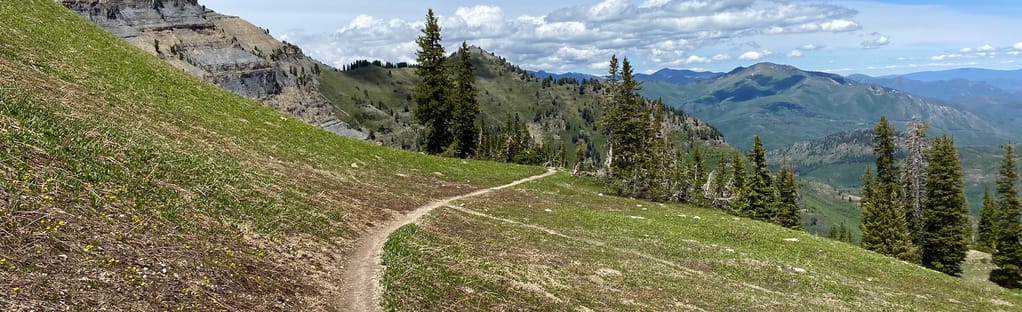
(127, 183)
(558, 245)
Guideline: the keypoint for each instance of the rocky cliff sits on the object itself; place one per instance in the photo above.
(224, 50)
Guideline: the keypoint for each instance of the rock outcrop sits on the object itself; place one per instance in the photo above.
(224, 50)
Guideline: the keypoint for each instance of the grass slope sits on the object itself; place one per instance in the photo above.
(128, 184)
(557, 244)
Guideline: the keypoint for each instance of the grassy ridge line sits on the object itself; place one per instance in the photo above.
(463, 261)
(116, 166)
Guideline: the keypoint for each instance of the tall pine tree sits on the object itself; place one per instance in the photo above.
(946, 226)
(465, 107)
(884, 228)
(627, 123)
(1008, 254)
(758, 200)
(986, 230)
(433, 108)
(787, 206)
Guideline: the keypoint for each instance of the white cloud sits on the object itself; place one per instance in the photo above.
(946, 56)
(795, 53)
(965, 50)
(985, 48)
(1017, 46)
(878, 40)
(1013, 53)
(839, 25)
(660, 32)
(754, 55)
(721, 57)
(810, 47)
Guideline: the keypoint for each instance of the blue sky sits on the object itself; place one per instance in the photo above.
(844, 37)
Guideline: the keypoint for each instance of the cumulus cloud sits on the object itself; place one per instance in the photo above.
(662, 32)
(985, 48)
(795, 53)
(754, 55)
(721, 57)
(946, 56)
(878, 41)
(1017, 46)
(810, 47)
(839, 25)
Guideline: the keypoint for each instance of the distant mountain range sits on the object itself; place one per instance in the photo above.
(577, 76)
(677, 76)
(986, 98)
(1010, 80)
(784, 105)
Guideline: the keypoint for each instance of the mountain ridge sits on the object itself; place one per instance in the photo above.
(784, 104)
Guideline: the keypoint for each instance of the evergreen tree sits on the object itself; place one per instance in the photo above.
(917, 147)
(719, 186)
(884, 229)
(946, 225)
(986, 232)
(431, 95)
(1008, 253)
(787, 206)
(846, 234)
(627, 124)
(758, 200)
(738, 173)
(465, 107)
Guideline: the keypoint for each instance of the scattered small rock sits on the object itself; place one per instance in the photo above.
(608, 272)
(797, 269)
(696, 217)
(438, 173)
(1001, 302)
(548, 210)
(354, 166)
(599, 194)
(636, 217)
(791, 239)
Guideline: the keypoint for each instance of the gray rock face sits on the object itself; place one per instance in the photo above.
(128, 18)
(224, 50)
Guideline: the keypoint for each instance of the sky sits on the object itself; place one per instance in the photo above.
(880, 37)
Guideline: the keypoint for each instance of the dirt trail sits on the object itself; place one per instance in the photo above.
(362, 290)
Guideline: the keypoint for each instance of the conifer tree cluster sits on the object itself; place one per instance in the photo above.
(884, 228)
(643, 162)
(446, 97)
(765, 197)
(921, 216)
(840, 233)
(512, 143)
(1006, 227)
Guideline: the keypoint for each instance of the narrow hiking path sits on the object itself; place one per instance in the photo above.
(362, 290)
